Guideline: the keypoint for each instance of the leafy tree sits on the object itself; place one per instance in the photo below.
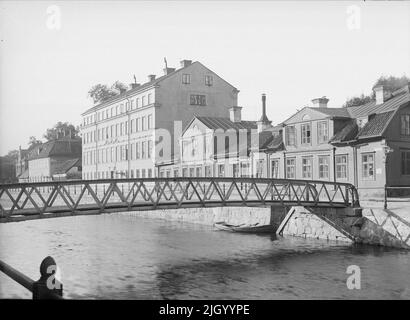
(61, 129)
(33, 142)
(357, 101)
(13, 155)
(390, 83)
(101, 92)
(119, 86)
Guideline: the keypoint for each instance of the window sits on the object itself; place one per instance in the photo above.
(275, 168)
(290, 136)
(132, 125)
(143, 124)
(405, 124)
(323, 167)
(208, 80)
(245, 169)
(137, 150)
(341, 167)
(235, 170)
(221, 170)
(322, 132)
(185, 172)
(142, 173)
(150, 121)
(143, 100)
(197, 100)
(405, 162)
(149, 173)
(194, 146)
(137, 173)
(176, 173)
(199, 172)
(290, 168)
(208, 171)
(149, 148)
(137, 103)
(259, 168)
(138, 125)
(149, 98)
(307, 168)
(305, 128)
(143, 149)
(192, 172)
(368, 166)
(186, 78)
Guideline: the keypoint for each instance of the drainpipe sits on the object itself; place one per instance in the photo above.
(356, 180)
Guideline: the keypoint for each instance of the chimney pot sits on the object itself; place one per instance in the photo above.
(185, 63)
(320, 102)
(151, 77)
(134, 85)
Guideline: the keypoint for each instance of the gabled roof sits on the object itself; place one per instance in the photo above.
(376, 125)
(65, 166)
(347, 133)
(147, 85)
(55, 148)
(334, 112)
(225, 123)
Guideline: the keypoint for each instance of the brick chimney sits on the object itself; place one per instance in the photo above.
(185, 63)
(151, 77)
(168, 70)
(263, 122)
(235, 114)
(320, 102)
(381, 94)
(134, 85)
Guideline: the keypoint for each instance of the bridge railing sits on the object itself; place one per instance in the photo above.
(108, 195)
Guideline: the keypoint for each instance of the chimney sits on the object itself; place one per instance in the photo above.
(380, 93)
(134, 85)
(185, 63)
(235, 114)
(263, 122)
(168, 70)
(151, 77)
(320, 102)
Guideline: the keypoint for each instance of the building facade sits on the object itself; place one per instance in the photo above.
(49, 159)
(136, 132)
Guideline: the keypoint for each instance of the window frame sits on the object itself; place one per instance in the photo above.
(310, 165)
(327, 157)
(319, 140)
(291, 166)
(346, 164)
(364, 171)
(405, 130)
(302, 138)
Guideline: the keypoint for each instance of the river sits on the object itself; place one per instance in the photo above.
(123, 256)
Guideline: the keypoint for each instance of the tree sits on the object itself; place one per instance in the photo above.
(119, 86)
(101, 92)
(61, 129)
(390, 83)
(33, 142)
(357, 101)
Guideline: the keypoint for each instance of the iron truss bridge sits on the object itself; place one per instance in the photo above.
(23, 201)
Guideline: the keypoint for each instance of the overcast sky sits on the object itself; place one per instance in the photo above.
(293, 52)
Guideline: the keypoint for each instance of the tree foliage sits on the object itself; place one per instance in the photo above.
(60, 130)
(390, 83)
(33, 142)
(101, 92)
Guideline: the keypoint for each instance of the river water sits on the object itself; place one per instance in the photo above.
(122, 256)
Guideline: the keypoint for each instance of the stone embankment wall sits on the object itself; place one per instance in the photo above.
(376, 226)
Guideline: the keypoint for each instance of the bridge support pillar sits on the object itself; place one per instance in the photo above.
(277, 215)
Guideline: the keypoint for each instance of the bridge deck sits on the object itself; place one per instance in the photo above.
(64, 198)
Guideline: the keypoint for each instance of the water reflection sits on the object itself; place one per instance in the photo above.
(121, 256)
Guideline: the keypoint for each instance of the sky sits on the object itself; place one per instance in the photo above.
(292, 51)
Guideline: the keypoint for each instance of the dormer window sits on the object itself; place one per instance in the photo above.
(405, 124)
(186, 78)
(290, 135)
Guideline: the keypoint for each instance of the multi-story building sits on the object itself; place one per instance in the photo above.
(137, 131)
(226, 147)
(367, 145)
